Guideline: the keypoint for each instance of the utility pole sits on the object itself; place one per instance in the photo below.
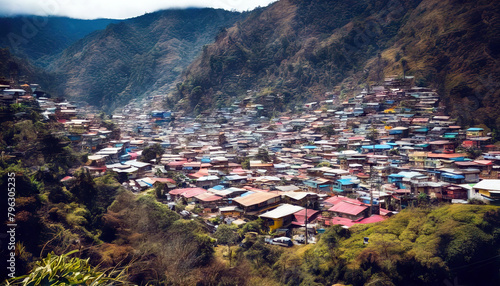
(307, 203)
(371, 188)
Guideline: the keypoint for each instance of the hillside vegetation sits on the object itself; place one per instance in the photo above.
(419, 246)
(41, 39)
(296, 51)
(138, 56)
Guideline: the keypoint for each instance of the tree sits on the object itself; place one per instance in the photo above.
(372, 135)
(245, 164)
(227, 236)
(152, 152)
(263, 155)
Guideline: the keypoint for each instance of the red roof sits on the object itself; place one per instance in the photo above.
(300, 216)
(348, 208)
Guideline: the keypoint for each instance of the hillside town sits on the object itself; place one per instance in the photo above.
(335, 162)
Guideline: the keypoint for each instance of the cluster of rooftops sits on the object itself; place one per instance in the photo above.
(337, 162)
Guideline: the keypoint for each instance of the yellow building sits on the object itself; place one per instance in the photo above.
(489, 190)
(281, 216)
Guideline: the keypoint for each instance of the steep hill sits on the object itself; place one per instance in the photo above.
(39, 39)
(20, 70)
(453, 45)
(298, 50)
(138, 56)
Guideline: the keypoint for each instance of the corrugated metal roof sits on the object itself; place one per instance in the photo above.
(490, 185)
(282, 211)
(347, 208)
(255, 198)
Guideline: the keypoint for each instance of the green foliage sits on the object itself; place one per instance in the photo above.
(152, 152)
(66, 270)
(226, 235)
(263, 155)
(245, 164)
(258, 226)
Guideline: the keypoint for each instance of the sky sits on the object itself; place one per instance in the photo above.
(115, 9)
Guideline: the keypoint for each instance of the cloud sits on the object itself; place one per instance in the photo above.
(116, 9)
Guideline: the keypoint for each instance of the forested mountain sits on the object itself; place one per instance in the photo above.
(19, 69)
(298, 50)
(39, 38)
(138, 56)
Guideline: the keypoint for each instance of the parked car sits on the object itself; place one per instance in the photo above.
(281, 241)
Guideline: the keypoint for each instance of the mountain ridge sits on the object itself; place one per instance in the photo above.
(137, 56)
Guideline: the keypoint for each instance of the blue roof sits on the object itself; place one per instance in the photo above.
(391, 132)
(475, 129)
(379, 147)
(396, 176)
(309, 147)
(246, 194)
(218, 187)
(452, 176)
(345, 181)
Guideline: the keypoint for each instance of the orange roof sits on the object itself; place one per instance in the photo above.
(255, 198)
(445, 156)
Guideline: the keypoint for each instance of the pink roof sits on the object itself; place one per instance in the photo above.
(188, 192)
(66, 178)
(300, 216)
(163, 180)
(357, 138)
(384, 211)
(337, 199)
(347, 208)
(208, 197)
(484, 162)
(372, 219)
(177, 163)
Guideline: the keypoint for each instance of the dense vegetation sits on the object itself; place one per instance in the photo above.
(18, 69)
(137, 56)
(420, 246)
(318, 46)
(310, 49)
(39, 38)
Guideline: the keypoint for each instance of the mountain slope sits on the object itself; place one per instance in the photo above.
(453, 45)
(294, 49)
(299, 50)
(20, 70)
(138, 56)
(39, 39)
